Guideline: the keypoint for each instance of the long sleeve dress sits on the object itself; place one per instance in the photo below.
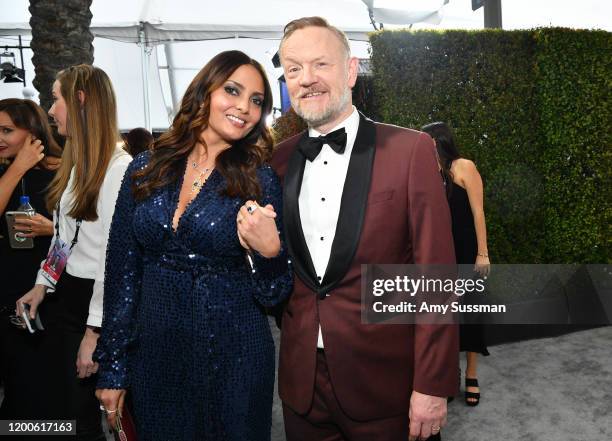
(184, 327)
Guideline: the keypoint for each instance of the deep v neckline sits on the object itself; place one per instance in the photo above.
(177, 199)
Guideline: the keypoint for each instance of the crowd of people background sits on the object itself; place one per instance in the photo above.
(177, 248)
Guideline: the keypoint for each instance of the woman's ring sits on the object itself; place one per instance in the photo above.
(435, 428)
(103, 409)
(251, 209)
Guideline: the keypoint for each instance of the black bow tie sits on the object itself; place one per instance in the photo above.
(311, 146)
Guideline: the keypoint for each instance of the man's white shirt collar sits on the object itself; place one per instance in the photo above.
(350, 124)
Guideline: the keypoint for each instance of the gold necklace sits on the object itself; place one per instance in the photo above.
(202, 177)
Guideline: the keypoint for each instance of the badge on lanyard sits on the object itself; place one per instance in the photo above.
(58, 255)
(56, 261)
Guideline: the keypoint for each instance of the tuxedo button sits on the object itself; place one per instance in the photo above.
(320, 278)
(323, 199)
(322, 238)
(325, 162)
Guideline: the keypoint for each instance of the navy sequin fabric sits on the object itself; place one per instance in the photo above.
(184, 328)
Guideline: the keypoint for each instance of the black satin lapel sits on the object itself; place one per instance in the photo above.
(294, 235)
(353, 204)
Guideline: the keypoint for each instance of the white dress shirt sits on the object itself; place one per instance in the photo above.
(88, 256)
(320, 197)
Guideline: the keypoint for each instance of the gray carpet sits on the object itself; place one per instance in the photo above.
(553, 389)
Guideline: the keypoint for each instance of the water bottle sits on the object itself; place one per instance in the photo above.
(17, 241)
(24, 205)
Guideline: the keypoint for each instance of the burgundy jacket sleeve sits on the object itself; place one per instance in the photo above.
(436, 346)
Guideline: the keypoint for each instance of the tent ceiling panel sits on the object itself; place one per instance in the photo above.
(184, 20)
(395, 11)
(188, 20)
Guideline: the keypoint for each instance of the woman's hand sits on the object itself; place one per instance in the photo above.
(32, 226)
(482, 266)
(85, 364)
(257, 229)
(112, 402)
(30, 154)
(33, 297)
(51, 162)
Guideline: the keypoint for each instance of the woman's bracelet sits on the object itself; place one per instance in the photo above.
(483, 255)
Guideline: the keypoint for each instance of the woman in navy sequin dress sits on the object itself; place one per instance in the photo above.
(184, 328)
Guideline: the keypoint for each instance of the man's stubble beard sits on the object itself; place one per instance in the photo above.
(319, 118)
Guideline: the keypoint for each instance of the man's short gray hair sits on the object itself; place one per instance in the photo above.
(319, 22)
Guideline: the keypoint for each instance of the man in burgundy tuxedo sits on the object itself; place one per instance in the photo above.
(356, 192)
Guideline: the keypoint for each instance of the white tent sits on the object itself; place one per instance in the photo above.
(174, 39)
(152, 48)
(190, 20)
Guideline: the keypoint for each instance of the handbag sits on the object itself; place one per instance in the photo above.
(125, 429)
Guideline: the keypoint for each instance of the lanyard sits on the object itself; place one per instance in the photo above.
(78, 227)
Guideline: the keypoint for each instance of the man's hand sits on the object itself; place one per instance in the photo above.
(257, 229)
(427, 415)
(84, 362)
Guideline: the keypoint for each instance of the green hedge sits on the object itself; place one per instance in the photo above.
(574, 77)
(532, 109)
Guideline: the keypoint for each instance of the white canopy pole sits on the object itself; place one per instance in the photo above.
(171, 76)
(145, 54)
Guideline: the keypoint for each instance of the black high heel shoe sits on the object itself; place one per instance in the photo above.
(471, 382)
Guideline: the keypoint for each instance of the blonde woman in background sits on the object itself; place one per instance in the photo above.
(82, 197)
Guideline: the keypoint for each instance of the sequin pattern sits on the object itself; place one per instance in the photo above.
(183, 325)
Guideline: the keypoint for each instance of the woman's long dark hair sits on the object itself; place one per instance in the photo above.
(237, 164)
(28, 115)
(446, 148)
(138, 140)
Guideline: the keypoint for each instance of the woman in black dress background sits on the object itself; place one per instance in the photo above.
(464, 190)
(24, 135)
